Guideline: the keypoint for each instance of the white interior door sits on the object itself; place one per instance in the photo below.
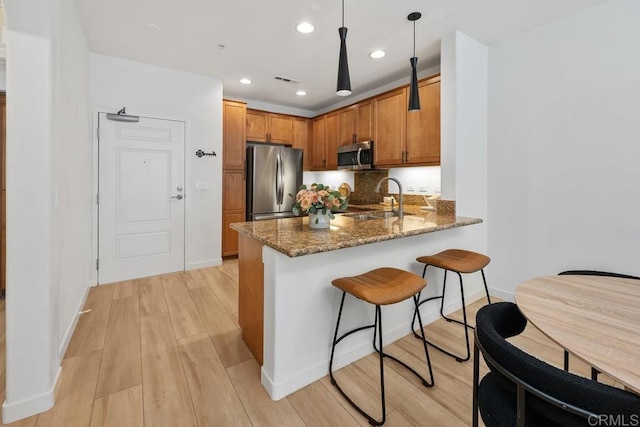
(141, 199)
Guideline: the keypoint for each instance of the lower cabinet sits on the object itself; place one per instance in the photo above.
(233, 183)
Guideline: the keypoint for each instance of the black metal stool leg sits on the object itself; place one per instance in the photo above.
(486, 289)
(464, 323)
(381, 354)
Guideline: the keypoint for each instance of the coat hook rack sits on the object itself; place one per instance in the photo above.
(201, 153)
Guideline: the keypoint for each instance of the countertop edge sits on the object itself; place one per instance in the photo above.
(459, 222)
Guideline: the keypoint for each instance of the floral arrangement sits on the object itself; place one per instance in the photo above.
(319, 199)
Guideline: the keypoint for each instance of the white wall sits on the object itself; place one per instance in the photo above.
(563, 154)
(196, 99)
(416, 180)
(47, 132)
(72, 189)
(3, 77)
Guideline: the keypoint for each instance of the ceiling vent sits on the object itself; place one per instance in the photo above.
(285, 80)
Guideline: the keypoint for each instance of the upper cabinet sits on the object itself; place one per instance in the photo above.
(325, 130)
(390, 123)
(301, 139)
(408, 138)
(423, 126)
(269, 127)
(234, 134)
(317, 143)
(355, 123)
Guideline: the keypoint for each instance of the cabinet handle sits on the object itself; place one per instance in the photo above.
(406, 156)
(402, 161)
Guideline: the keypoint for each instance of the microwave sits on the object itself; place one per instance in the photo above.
(356, 156)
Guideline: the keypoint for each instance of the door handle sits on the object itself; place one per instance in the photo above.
(179, 197)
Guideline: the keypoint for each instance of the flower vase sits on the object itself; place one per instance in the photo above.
(319, 220)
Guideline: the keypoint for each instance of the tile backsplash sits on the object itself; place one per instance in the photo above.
(365, 185)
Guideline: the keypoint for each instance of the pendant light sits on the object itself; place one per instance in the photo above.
(414, 96)
(344, 81)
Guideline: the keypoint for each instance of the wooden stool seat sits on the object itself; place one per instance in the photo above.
(381, 286)
(457, 260)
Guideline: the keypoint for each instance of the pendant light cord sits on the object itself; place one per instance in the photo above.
(414, 38)
(343, 20)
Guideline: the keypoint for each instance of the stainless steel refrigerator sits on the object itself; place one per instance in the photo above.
(273, 172)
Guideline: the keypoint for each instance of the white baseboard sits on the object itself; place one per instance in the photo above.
(203, 264)
(503, 295)
(342, 358)
(37, 404)
(62, 349)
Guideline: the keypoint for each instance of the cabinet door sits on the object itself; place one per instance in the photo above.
(301, 140)
(257, 126)
(233, 203)
(390, 115)
(229, 235)
(347, 125)
(234, 131)
(280, 129)
(331, 141)
(317, 143)
(364, 131)
(423, 127)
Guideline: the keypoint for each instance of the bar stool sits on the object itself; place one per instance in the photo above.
(459, 261)
(382, 286)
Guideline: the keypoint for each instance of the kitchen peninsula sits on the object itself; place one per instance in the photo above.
(287, 306)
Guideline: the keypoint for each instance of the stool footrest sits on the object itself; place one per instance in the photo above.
(437, 347)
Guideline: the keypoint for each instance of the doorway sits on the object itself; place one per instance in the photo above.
(141, 209)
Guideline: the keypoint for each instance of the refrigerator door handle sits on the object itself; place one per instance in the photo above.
(279, 178)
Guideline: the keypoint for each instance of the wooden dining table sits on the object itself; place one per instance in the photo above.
(595, 318)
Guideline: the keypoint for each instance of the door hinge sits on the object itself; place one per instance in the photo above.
(97, 263)
(97, 198)
(98, 133)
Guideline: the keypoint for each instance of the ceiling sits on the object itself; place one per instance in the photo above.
(260, 40)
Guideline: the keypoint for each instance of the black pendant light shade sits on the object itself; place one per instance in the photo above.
(414, 96)
(344, 81)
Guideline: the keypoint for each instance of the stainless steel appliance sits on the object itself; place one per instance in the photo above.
(273, 172)
(356, 156)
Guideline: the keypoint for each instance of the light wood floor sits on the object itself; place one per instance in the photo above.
(167, 351)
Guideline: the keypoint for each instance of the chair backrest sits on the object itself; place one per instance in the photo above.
(561, 397)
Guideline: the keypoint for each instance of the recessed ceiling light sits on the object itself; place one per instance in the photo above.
(301, 93)
(377, 54)
(305, 28)
(245, 81)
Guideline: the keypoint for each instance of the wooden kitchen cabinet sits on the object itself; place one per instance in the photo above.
(423, 126)
(408, 138)
(332, 130)
(325, 130)
(233, 202)
(263, 126)
(355, 123)
(390, 123)
(233, 179)
(234, 134)
(317, 143)
(301, 139)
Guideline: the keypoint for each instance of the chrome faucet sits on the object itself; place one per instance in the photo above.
(399, 212)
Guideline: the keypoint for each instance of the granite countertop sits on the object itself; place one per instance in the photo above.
(294, 237)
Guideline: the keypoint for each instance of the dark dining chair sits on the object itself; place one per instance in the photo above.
(594, 371)
(522, 390)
